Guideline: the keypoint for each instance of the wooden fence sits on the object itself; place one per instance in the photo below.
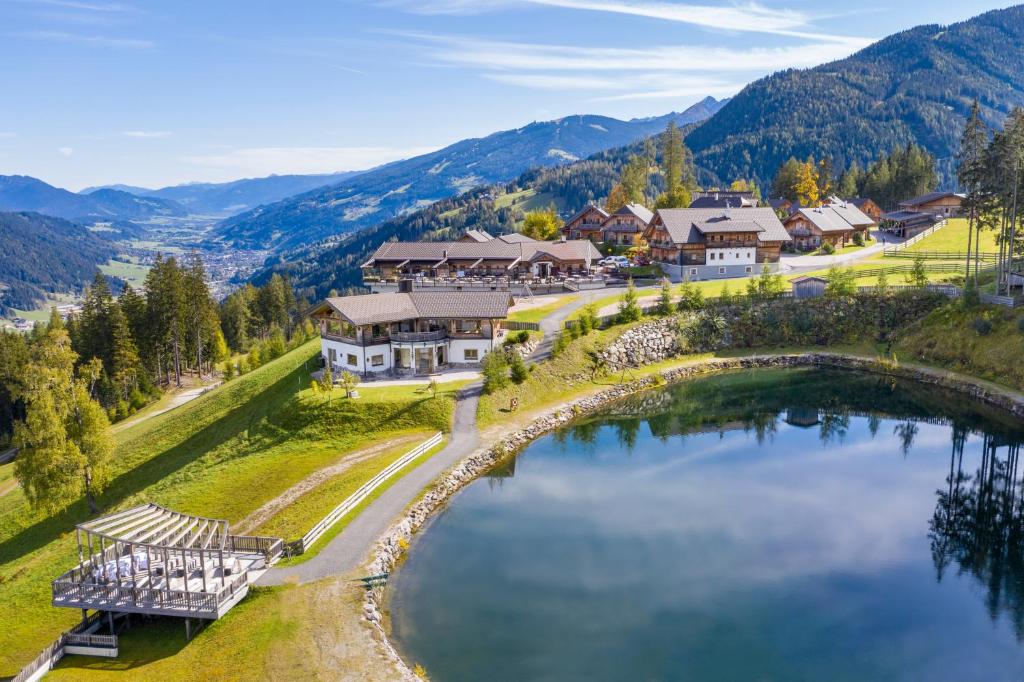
(364, 491)
(76, 636)
(915, 239)
(942, 255)
(515, 326)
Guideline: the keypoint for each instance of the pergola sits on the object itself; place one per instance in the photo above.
(149, 559)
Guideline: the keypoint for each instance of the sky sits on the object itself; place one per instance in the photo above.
(161, 93)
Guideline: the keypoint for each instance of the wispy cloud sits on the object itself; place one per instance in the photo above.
(148, 134)
(531, 56)
(77, 38)
(65, 151)
(260, 161)
(111, 7)
(747, 17)
(6, 135)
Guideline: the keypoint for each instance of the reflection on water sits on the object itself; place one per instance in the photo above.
(772, 525)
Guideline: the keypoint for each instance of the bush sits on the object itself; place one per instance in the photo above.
(523, 336)
(519, 372)
(494, 368)
(229, 371)
(629, 305)
(561, 343)
(858, 239)
(705, 331)
(971, 298)
(690, 297)
(982, 325)
(588, 319)
(828, 248)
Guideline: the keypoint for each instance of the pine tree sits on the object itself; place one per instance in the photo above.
(125, 365)
(629, 305)
(664, 306)
(634, 180)
(786, 179)
(971, 173)
(674, 159)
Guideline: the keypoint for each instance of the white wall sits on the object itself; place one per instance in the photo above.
(457, 346)
(743, 255)
(362, 354)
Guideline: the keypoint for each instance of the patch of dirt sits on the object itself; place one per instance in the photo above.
(317, 478)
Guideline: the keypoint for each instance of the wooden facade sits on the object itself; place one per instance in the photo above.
(587, 224)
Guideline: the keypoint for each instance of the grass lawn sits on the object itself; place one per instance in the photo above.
(280, 633)
(953, 239)
(132, 273)
(7, 482)
(947, 338)
(222, 455)
(850, 248)
(540, 312)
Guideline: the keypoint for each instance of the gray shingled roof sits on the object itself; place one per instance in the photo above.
(478, 235)
(681, 223)
(381, 308)
(515, 238)
(824, 218)
(641, 212)
(931, 196)
(719, 226)
(852, 214)
(722, 202)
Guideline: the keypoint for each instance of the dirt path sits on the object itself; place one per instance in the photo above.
(177, 400)
(317, 478)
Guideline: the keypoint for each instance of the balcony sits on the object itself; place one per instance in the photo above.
(353, 341)
(416, 337)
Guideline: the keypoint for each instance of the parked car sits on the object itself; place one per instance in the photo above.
(614, 262)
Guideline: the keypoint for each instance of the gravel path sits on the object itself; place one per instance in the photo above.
(553, 323)
(347, 550)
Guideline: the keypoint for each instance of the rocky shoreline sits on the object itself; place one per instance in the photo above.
(396, 540)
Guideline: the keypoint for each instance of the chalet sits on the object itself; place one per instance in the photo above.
(832, 223)
(410, 333)
(699, 243)
(724, 199)
(868, 208)
(940, 204)
(513, 256)
(586, 224)
(626, 226)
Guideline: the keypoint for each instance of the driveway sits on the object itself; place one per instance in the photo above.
(350, 548)
(806, 263)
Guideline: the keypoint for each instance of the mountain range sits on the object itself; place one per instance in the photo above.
(228, 198)
(914, 86)
(24, 193)
(396, 188)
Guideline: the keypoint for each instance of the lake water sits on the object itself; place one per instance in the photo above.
(767, 525)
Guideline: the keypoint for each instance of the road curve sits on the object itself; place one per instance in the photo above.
(349, 548)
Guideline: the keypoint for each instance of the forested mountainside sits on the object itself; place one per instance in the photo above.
(45, 254)
(333, 265)
(24, 193)
(914, 86)
(380, 194)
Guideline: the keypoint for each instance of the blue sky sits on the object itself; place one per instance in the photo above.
(161, 93)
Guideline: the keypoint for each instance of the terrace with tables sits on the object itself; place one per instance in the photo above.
(155, 561)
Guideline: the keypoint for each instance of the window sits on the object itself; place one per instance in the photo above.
(352, 360)
(470, 354)
(377, 360)
(712, 255)
(749, 269)
(333, 355)
(721, 271)
(693, 271)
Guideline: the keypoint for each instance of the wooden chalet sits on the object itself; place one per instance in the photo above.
(939, 204)
(626, 226)
(586, 224)
(834, 224)
(715, 243)
(868, 208)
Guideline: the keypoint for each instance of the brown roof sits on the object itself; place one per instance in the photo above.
(380, 308)
(587, 209)
(641, 212)
(494, 250)
(930, 197)
(682, 223)
(825, 218)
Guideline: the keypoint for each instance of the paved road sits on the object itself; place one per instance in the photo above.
(347, 550)
(553, 323)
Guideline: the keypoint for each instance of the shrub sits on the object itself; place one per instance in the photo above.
(664, 306)
(690, 297)
(982, 325)
(971, 298)
(349, 381)
(629, 305)
(327, 380)
(561, 343)
(918, 275)
(842, 282)
(494, 368)
(705, 331)
(588, 319)
(858, 239)
(229, 371)
(518, 368)
(523, 336)
(828, 248)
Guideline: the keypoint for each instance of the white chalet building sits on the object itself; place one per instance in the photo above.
(410, 333)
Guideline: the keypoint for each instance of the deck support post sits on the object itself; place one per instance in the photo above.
(110, 621)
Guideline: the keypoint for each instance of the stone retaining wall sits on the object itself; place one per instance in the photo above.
(396, 540)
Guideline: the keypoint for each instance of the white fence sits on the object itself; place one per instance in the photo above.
(915, 239)
(364, 491)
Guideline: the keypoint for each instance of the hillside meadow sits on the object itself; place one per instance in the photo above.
(222, 455)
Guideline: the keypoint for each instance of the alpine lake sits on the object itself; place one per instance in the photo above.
(791, 524)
